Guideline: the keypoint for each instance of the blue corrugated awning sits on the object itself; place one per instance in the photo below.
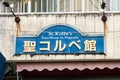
(2, 66)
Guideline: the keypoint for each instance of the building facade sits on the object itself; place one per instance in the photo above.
(41, 21)
(33, 6)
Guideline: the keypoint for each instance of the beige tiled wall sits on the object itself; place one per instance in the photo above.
(33, 24)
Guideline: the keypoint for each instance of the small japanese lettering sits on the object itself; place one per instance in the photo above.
(90, 45)
(45, 43)
(59, 45)
(29, 46)
(75, 43)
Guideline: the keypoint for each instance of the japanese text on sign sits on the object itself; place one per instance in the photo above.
(90, 45)
(60, 39)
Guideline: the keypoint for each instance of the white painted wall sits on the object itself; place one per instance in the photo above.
(32, 24)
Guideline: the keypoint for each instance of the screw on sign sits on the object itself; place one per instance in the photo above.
(104, 18)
